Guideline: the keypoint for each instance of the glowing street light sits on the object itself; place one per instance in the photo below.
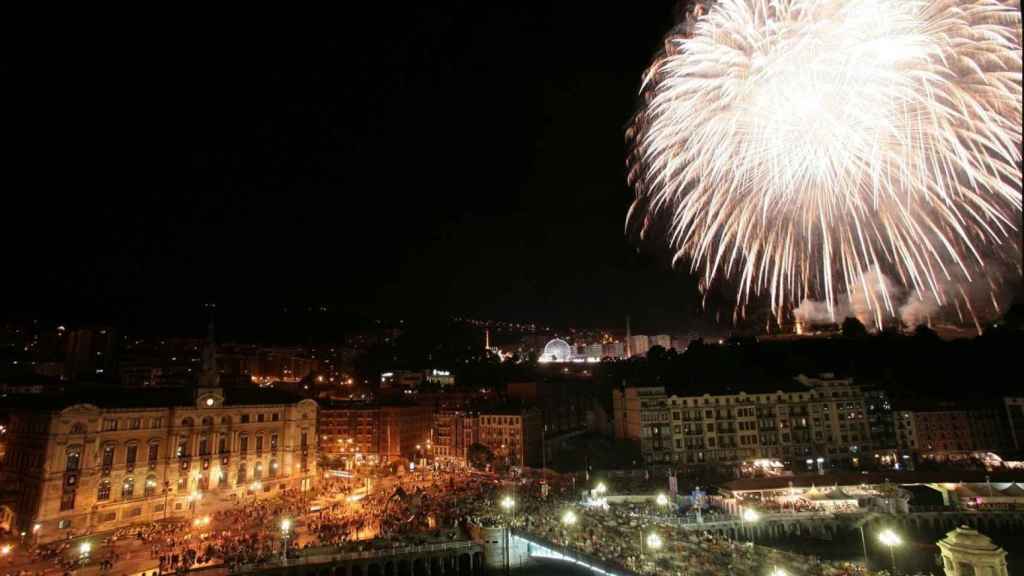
(600, 488)
(507, 503)
(569, 518)
(286, 526)
(778, 572)
(750, 516)
(5, 549)
(654, 541)
(890, 539)
(661, 500)
(83, 551)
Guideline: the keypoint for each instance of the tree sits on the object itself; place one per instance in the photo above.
(852, 328)
(479, 456)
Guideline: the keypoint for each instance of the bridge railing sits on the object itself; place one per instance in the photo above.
(324, 555)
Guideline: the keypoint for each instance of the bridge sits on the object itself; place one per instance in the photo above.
(461, 558)
(534, 546)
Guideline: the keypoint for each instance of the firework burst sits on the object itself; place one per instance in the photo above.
(802, 148)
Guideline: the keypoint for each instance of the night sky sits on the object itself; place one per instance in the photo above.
(462, 158)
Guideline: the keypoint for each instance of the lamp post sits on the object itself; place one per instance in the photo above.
(286, 528)
(890, 539)
(568, 520)
(508, 504)
(750, 517)
(653, 542)
(193, 502)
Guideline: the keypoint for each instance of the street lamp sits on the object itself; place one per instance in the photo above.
(653, 542)
(661, 500)
(286, 527)
(750, 517)
(600, 488)
(890, 539)
(5, 549)
(569, 518)
(507, 504)
(83, 552)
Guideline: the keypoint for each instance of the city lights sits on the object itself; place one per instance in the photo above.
(569, 518)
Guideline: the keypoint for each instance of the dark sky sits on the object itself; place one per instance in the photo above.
(452, 157)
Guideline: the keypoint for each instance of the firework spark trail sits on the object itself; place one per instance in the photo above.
(807, 148)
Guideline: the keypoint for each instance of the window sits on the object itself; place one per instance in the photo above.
(273, 468)
(204, 445)
(134, 423)
(74, 460)
(130, 455)
(222, 444)
(188, 422)
(275, 417)
(222, 479)
(245, 418)
(207, 421)
(259, 417)
(67, 502)
(108, 459)
(241, 475)
(150, 488)
(64, 523)
(243, 444)
(128, 488)
(257, 472)
(259, 445)
(156, 423)
(78, 428)
(103, 493)
(182, 483)
(273, 443)
(109, 424)
(225, 420)
(303, 439)
(182, 447)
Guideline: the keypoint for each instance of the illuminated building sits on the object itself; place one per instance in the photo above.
(513, 435)
(641, 415)
(97, 462)
(380, 432)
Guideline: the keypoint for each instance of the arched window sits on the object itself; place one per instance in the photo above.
(103, 494)
(207, 421)
(257, 472)
(188, 422)
(204, 445)
(74, 459)
(128, 488)
(78, 428)
(225, 420)
(273, 468)
(150, 488)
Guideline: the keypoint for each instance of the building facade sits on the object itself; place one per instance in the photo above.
(817, 418)
(372, 433)
(1015, 420)
(513, 435)
(642, 415)
(100, 465)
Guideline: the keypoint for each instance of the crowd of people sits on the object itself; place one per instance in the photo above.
(429, 507)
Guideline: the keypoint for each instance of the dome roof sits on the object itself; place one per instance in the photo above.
(968, 539)
(557, 350)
